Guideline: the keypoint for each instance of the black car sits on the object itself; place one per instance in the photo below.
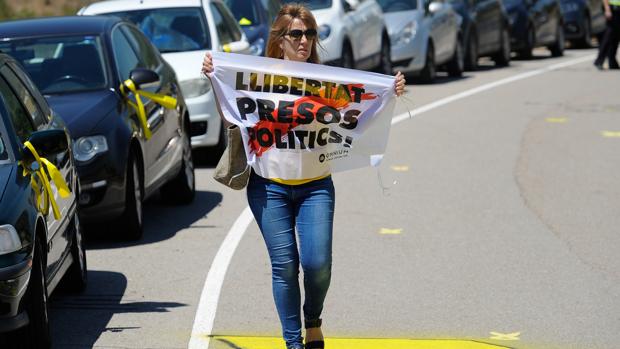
(79, 63)
(582, 20)
(255, 18)
(536, 23)
(40, 237)
(486, 31)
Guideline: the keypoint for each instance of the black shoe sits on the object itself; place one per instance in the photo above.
(314, 344)
(598, 65)
(614, 66)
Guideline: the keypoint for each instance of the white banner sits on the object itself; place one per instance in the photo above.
(303, 120)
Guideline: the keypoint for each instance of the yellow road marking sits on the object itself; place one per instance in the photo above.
(386, 231)
(505, 336)
(556, 120)
(402, 168)
(222, 342)
(611, 134)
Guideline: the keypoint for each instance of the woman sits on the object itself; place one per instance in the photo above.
(281, 206)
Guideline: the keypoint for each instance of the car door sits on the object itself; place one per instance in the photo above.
(598, 15)
(368, 34)
(443, 31)
(229, 34)
(489, 23)
(27, 117)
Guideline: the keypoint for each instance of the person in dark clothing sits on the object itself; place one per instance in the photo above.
(609, 44)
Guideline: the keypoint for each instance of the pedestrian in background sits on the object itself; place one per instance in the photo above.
(609, 44)
(281, 206)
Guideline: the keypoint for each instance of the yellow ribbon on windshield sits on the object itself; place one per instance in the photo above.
(43, 203)
(165, 101)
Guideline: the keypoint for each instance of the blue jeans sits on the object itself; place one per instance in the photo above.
(278, 210)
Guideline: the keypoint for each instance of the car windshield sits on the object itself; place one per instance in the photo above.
(172, 29)
(244, 11)
(61, 64)
(312, 4)
(398, 5)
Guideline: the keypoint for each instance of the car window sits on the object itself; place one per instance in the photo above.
(61, 64)
(397, 5)
(33, 89)
(244, 11)
(272, 8)
(313, 4)
(22, 123)
(146, 52)
(172, 29)
(25, 97)
(124, 55)
(226, 26)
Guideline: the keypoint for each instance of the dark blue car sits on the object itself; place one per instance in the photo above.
(536, 23)
(582, 20)
(40, 235)
(124, 153)
(255, 18)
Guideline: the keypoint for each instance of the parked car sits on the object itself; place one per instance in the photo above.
(486, 31)
(79, 63)
(424, 37)
(582, 20)
(536, 23)
(352, 34)
(255, 18)
(38, 246)
(183, 31)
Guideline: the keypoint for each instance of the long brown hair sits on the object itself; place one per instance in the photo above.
(280, 27)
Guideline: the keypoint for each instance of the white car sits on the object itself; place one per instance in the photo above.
(425, 35)
(183, 31)
(352, 33)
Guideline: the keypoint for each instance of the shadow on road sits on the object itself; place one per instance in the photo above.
(162, 221)
(78, 320)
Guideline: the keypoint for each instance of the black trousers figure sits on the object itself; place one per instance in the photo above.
(609, 45)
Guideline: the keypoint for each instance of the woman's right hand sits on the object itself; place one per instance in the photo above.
(207, 64)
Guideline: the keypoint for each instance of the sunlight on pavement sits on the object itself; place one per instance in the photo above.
(234, 342)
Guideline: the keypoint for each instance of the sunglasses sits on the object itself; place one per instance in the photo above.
(296, 34)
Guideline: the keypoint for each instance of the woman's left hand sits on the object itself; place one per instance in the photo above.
(399, 84)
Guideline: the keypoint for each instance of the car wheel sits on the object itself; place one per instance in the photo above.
(502, 57)
(77, 275)
(347, 57)
(132, 218)
(385, 66)
(455, 66)
(526, 52)
(182, 188)
(36, 334)
(586, 40)
(557, 49)
(471, 56)
(429, 71)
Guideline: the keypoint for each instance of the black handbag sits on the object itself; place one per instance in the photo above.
(233, 170)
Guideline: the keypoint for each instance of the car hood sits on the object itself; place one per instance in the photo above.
(325, 16)
(83, 111)
(186, 65)
(5, 175)
(396, 21)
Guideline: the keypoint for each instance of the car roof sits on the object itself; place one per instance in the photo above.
(128, 5)
(50, 26)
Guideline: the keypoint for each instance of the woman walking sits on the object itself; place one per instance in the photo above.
(282, 207)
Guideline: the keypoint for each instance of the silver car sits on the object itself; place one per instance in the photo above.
(425, 36)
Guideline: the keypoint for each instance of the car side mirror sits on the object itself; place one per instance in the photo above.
(46, 143)
(435, 7)
(350, 5)
(142, 77)
(241, 46)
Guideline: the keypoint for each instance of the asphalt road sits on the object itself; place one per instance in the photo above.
(493, 219)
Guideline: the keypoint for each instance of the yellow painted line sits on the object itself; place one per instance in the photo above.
(505, 336)
(402, 168)
(352, 343)
(386, 231)
(610, 134)
(556, 120)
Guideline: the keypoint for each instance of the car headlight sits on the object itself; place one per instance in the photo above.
(570, 7)
(324, 31)
(258, 47)
(9, 240)
(86, 148)
(195, 87)
(406, 35)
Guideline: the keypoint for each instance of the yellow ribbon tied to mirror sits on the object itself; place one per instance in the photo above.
(245, 21)
(44, 201)
(165, 101)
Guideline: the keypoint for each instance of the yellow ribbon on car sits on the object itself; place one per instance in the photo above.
(43, 203)
(165, 101)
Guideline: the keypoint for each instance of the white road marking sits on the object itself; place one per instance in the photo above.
(207, 307)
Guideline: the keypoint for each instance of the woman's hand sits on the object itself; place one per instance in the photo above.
(207, 64)
(399, 84)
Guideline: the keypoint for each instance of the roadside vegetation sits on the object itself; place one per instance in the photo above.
(16, 9)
